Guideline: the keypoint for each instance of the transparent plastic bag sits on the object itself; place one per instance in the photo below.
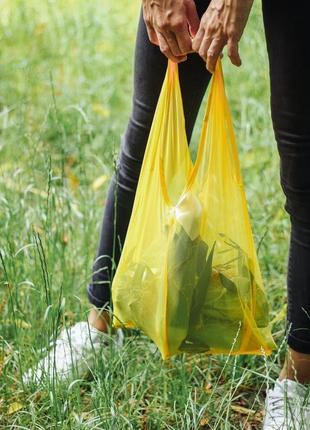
(188, 276)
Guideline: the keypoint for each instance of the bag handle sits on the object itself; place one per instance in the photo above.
(217, 79)
(217, 89)
(173, 79)
(172, 74)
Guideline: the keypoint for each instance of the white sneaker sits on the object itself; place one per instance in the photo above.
(74, 353)
(287, 407)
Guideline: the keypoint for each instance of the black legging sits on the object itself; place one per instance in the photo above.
(286, 29)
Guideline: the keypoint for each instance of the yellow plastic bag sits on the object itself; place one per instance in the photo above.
(188, 276)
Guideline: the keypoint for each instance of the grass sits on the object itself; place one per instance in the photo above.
(65, 94)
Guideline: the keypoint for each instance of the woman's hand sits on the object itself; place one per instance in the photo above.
(170, 24)
(222, 24)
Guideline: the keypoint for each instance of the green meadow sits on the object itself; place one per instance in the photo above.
(65, 98)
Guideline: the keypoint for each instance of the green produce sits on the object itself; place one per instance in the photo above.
(206, 303)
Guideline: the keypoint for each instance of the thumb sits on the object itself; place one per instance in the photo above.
(192, 17)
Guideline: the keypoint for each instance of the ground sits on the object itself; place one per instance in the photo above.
(65, 97)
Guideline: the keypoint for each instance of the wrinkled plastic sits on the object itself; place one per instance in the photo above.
(188, 276)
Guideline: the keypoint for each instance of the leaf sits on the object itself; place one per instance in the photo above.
(105, 46)
(37, 229)
(242, 410)
(19, 323)
(69, 316)
(201, 289)
(101, 110)
(14, 407)
(204, 422)
(228, 284)
(208, 387)
(38, 192)
(281, 315)
(5, 166)
(40, 28)
(73, 181)
(99, 182)
(65, 239)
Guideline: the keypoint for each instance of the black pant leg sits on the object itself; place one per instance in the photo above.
(149, 71)
(287, 36)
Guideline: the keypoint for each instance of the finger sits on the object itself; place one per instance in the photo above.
(173, 44)
(196, 42)
(152, 35)
(233, 52)
(204, 46)
(192, 17)
(165, 49)
(184, 41)
(213, 53)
